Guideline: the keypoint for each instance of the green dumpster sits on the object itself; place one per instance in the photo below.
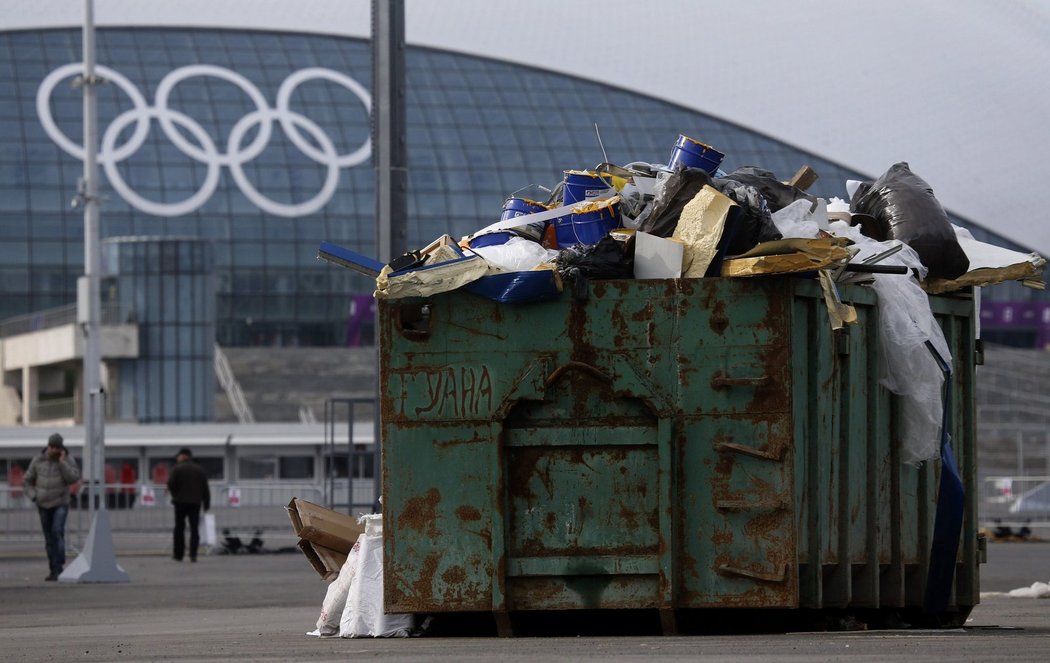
(670, 445)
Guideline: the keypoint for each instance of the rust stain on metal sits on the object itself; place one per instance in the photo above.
(423, 587)
(551, 521)
(643, 314)
(767, 526)
(629, 518)
(718, 321)
(420, 513)
(773, 395)
(722, 537)
(468, 513)
(454, 576)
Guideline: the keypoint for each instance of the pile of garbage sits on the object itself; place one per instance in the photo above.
(689, 219)
(348, 552)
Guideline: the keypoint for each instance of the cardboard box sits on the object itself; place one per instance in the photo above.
(325, 561)
(324, 527)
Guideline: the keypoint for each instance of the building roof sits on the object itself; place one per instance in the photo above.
(946, 86)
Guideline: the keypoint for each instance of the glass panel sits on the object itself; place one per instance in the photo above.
(256, 467)
(296, 467)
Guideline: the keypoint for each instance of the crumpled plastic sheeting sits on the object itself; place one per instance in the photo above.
(798, 219)
(906, 366)
(516, 255)
(1038, 590)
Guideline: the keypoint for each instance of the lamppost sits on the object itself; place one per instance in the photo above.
(97, 562)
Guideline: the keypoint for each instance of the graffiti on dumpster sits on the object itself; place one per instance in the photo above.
(449, 391)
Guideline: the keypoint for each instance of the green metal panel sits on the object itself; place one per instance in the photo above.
(663, 444)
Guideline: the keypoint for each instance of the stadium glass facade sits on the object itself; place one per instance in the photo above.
(164, 284)
(258, 142)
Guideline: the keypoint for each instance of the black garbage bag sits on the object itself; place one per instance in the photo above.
(660, 218)
(914, 215)
(777, 194)
(753, 224)
(608, 259)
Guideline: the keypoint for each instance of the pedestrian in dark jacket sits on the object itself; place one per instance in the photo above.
(47, 483)
(188, 487)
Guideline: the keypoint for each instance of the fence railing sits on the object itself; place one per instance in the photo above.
(1015, 501)
(56, 408)
(112, 314)
(142, 512)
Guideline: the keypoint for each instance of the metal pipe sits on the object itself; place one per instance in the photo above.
(90, 309)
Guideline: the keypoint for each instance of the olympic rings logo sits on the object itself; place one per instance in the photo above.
(205, 151)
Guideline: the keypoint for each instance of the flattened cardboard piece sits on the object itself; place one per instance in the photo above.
(324, 527)
(332, 560)
(656, 257)
(839, 314)
(700, 228)
(293, 515)
(989, 265)
(787, 256)
(319, 565)
(430, 279)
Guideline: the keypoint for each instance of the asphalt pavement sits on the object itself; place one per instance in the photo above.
(260, 607)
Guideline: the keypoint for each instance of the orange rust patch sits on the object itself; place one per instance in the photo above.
(420, 513)
(454, 575)
(468, 513)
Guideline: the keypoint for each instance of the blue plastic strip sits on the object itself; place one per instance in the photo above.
(344, 257)
(517, 287)
(948, 522)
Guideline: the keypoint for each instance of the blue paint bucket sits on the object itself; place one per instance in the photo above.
(513, 208)
(491, 239)
(581, 185)
(588, 223)
(694, 154)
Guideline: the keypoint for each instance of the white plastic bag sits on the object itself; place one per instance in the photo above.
(206, 529)
(335, 600)
(516, 255)
(363, 615)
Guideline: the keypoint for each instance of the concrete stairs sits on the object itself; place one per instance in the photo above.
(277, 382)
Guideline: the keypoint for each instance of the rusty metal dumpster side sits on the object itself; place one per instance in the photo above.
(865, 518)
(704, 443)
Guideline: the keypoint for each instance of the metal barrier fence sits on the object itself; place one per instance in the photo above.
(111, 314)
(1015, 501)
(141, 514)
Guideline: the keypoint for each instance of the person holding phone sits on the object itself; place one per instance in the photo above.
(47, 483)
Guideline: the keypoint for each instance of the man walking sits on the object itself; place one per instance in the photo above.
(188, 487)
(47, 483)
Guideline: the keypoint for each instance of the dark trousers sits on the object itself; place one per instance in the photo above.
(53, 522)
(184, 511)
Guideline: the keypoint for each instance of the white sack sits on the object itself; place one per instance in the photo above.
(335, 599)
(363, 615)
